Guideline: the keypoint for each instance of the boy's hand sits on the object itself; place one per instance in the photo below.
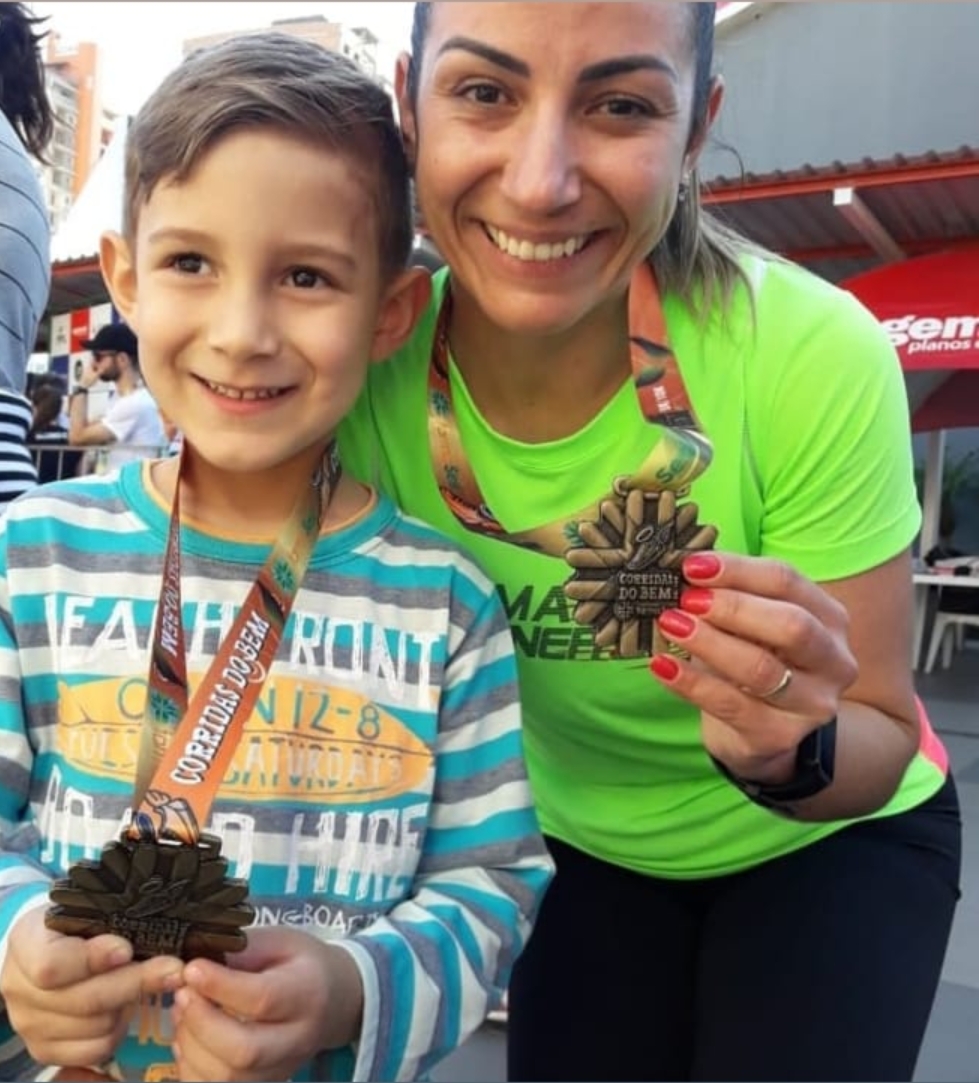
(70, 999)
(278, 1003)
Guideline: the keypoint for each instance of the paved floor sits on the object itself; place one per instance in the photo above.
(951, 1050)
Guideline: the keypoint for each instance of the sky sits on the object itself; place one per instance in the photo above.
(140, 42)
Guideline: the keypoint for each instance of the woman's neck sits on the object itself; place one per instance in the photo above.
(256, 505)
(536, 388)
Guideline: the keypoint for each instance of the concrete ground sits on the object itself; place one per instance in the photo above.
(951, 1049)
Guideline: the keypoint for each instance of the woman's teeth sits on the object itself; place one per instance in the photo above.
(535, 253)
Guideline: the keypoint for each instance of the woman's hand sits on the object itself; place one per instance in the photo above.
(271, 1009)
(770, 659)
(773, 656)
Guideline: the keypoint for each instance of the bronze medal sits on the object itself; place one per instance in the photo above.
(166, 898)
(627, 568)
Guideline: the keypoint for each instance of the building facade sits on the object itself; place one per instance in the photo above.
(82, 125)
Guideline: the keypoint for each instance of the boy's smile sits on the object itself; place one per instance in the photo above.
(257, 295)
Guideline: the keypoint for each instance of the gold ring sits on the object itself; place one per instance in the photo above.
(783, 682)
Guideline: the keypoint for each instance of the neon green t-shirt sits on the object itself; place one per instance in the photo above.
(808, 416)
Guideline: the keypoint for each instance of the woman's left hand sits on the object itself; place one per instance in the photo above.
(769, 659)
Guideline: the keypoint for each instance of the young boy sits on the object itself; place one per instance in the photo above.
(373, 795)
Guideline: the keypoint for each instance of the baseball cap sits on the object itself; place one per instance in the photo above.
(113, 338)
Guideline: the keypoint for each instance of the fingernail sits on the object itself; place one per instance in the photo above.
(120, 956)
(677, 625)
(665, 667)
(702, 566)
(697, 600)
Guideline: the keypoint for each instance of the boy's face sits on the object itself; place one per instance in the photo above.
(256, 292)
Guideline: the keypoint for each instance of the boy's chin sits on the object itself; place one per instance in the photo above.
(251, 459)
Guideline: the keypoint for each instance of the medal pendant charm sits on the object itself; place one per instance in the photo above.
(166, 898)
(628, 568)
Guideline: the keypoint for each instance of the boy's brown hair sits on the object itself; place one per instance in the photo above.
(272, 80)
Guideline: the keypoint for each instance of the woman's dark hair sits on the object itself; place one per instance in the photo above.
(699, 258)
(23, 95)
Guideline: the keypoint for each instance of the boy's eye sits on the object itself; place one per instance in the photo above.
(187, 262)
(306, 278)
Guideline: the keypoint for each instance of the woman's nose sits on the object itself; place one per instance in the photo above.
(541, 173)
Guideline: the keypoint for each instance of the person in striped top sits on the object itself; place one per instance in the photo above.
(376, 799)
(26, 126)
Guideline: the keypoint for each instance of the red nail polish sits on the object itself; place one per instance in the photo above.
(677, 625)
(664, 667)
(697, 600)
(702, 566)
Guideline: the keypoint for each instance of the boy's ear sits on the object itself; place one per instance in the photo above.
(404, 301)
(119, 271)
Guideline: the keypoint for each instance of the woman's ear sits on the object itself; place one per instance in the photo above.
(404, 77)
(699, 138)
(403, 304)
(119, 271)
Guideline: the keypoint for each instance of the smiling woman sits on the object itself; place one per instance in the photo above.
(724, 746)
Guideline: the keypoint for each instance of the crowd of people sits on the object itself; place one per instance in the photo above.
(607, 710)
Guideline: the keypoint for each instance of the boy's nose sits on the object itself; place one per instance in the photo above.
(242, 325)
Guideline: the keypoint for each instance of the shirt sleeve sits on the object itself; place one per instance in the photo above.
(121, 417)
(830, 430)
(436, 964)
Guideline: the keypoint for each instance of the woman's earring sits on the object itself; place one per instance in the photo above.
(683, 191)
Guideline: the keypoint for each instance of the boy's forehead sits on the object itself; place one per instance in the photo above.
(263, 176)
(218, 163)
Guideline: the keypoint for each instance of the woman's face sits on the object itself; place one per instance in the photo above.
(550, 140)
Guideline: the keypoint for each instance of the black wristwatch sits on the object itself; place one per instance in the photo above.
(814, 765)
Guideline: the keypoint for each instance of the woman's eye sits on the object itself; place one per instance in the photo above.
(625, 107)
(482, 94)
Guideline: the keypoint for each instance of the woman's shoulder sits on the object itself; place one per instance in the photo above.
(787, 296)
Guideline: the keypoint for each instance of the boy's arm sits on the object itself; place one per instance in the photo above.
(434, 966)
(23, 883)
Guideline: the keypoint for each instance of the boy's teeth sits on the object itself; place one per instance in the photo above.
(247, 395)
(535, 253)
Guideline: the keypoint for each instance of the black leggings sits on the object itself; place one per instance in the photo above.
(822, 965)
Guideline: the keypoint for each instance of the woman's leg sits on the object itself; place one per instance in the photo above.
(604, 989)
(823, 965)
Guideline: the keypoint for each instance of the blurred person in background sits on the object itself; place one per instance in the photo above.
(131, 427)
(48, 436)
(26, 126)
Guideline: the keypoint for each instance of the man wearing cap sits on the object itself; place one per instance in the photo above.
(132, 420)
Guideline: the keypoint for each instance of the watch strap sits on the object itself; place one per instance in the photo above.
(815, 765)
